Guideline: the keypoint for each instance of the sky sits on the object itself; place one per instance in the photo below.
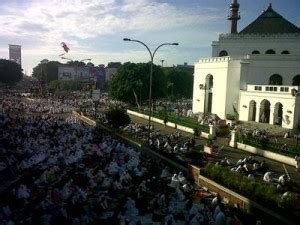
(95, 28)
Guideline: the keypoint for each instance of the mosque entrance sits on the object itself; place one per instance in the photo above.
(278, 114)
(252, 111)
(264, 114)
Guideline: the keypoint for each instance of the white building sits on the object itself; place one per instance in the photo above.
(69, 72)
(15, 53)
(254, 72)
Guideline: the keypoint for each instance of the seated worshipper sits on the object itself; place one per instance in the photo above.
(23, 192)
(170, 220)
(142, 187)
(226, 162)
(268, 177)
(180, 195)
(198, 219)
(174, 181)
(165, 174)
(181, 178)
(187, 188)
(102, 200)
(125, 177)
(216, 201)
(157, 143)
(175, 149)
(220, 219)
(168, 147)
(283, 180)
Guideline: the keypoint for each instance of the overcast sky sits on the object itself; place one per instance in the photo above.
(95, 28)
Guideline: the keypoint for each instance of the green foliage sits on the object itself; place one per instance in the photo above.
(172, 83)
(76, 63)
(131, 76)
(264, 143)
(230, 116)
(179, 83)
(117, 117)
(10, 72)
(223, 132)
(197, 131)
(66, 85)
(46, 72)
(264, 193)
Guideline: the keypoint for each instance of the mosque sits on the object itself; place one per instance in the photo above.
(253, 73)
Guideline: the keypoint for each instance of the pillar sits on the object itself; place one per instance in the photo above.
(272, 109)
(257, 112)
(233, 140)
(212, 131)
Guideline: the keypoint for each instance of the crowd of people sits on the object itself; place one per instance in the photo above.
(55, 170)
(174, 145)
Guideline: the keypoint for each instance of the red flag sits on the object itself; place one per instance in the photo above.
(65, 47)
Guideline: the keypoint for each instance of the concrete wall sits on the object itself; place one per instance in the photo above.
(267, 154)
(169, 124)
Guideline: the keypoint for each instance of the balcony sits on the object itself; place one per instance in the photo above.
(272, 89)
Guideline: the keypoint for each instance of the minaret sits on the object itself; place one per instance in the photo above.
(234, 16)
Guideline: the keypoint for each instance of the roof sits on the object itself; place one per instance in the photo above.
(270, 22)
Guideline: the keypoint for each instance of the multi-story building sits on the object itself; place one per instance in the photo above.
(70, 72)
(15, 54)
(254, 73)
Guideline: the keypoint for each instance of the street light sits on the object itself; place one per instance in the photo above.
(151, 72)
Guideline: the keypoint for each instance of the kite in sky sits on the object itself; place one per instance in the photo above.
(65, 47)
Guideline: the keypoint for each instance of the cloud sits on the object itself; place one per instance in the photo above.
(41, 25)
(51, 21)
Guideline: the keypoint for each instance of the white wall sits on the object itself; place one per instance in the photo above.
(240, 45)
(218, 68)
(287, 100)
(81, 73)
(260, 68)
(233, 86)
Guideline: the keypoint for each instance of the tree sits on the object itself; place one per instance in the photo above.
(133, 79)
(179, 83)
(10, 72)
(76, 63)
(117, 117)
(46, 72)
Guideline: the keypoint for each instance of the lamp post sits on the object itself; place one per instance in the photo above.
(152, 54)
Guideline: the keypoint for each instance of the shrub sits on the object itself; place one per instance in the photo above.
(264, 193)
(117, 117)
(230, 116)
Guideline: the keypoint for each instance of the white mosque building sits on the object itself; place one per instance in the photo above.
(254, 73)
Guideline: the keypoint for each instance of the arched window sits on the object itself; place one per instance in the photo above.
(264, 114)
(255, 52)
(285, 52)
(275, 79)
(296, 80)
(252, 111)
(270, 51)
(223, 53)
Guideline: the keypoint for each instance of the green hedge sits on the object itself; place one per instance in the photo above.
(266, 194)
(292, 150)
(183, 120)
